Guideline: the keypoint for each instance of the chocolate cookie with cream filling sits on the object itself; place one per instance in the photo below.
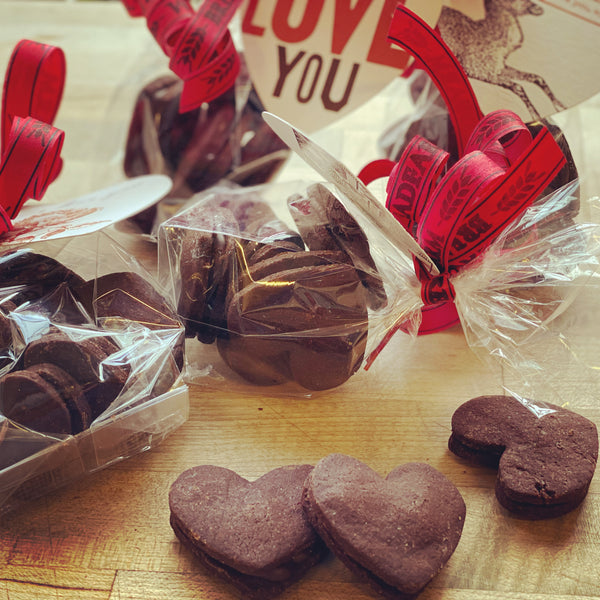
(253, 534)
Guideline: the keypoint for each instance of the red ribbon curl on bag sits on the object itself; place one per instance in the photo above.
(199, 45)
(31, 146)
(456, 212)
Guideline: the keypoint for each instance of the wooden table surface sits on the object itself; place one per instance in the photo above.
(107, 536)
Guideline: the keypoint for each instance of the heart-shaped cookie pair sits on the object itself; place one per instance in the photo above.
(261, 536)
(545, 461)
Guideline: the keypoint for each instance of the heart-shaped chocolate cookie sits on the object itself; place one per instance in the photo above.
(545, 462)
(307, 324)
(394, 533)
(253, 534)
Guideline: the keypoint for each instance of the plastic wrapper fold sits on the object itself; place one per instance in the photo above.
(522, 304)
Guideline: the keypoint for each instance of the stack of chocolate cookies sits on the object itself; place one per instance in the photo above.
(283, 304)
(198, 148)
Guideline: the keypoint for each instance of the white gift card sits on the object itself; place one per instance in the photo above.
(41, 222)
(534, 57)
(314, 61)
(350, 186)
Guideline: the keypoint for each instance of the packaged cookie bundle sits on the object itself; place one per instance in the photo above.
(495, 239)
(280, 285)
(224, 139)
(431, 120)
(92, 354)
(201, 123)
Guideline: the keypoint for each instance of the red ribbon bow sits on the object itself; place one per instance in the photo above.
(31, 146)
(456, 213)
(199, 44)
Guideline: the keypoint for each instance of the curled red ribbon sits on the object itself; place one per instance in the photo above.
(31, 146)
(456, 212)
(199, 45)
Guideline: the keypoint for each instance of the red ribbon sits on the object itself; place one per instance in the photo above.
(456, 212)
(30, 158)
(199, 45)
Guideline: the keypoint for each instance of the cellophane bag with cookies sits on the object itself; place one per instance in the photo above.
(280, 286)
(514, 303)
(290, 288)
(224, 139)
(91, 361)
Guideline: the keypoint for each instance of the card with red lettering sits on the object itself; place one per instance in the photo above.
(313, 62)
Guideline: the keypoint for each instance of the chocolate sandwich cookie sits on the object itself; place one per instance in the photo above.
(223, 273)
(255, 252)
(195, 267)
(86, 361)
(28, 276)
(29, 399)
(395, 533)
(307, 324)
(207, 260)
(253, 534)
(70, 392)
(545, 463)
(325, 224)
(81, 359)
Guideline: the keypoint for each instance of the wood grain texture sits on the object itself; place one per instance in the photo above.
(107, 536)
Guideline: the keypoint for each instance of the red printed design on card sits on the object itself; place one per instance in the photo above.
(199, 45)
(30, 145)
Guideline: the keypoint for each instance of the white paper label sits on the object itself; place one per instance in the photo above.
(535, 58)
(40, 222)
